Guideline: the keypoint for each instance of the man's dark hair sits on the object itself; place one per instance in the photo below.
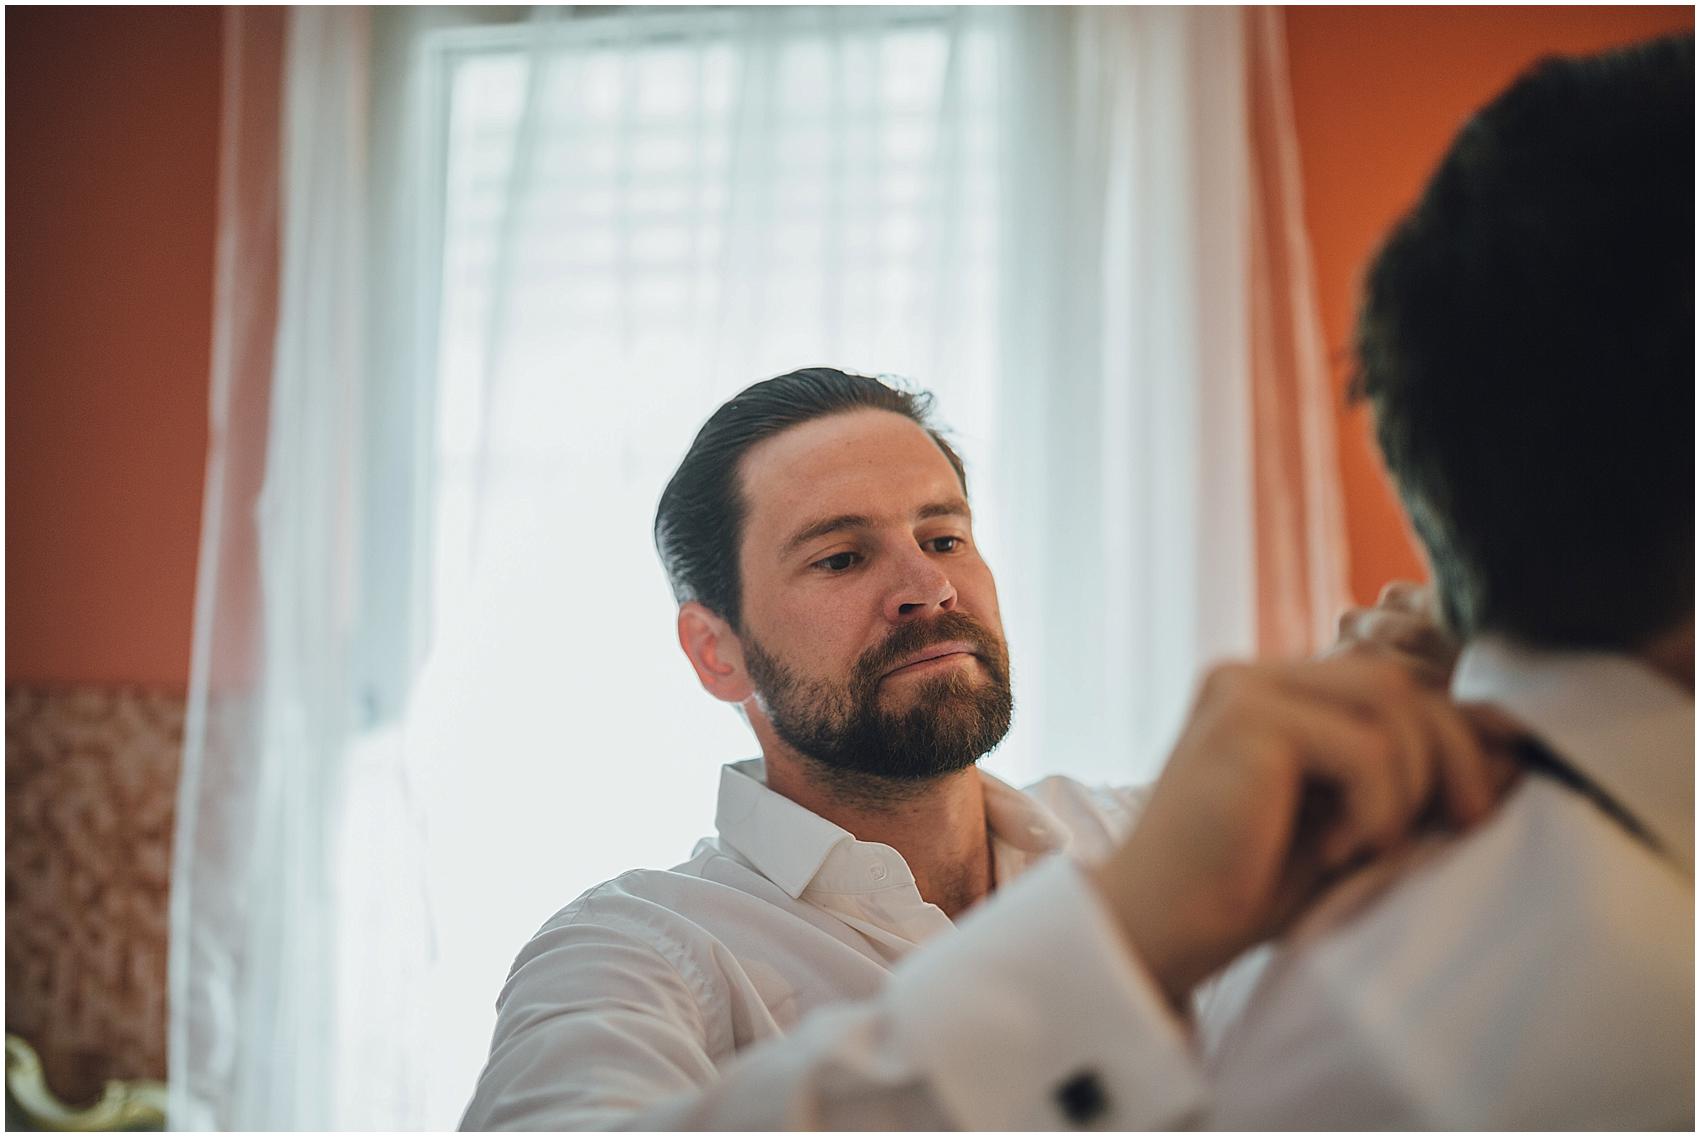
(700, 521)
(1527, 343)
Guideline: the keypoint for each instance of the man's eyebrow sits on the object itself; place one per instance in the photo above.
(821, 528)
(949, 507)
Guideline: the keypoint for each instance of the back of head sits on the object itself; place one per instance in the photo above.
(699, 521)
(1527, 343)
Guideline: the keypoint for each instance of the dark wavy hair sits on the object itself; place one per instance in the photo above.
(1526, 340)
(700, 519)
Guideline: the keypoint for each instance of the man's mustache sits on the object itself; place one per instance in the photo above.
(906, 639)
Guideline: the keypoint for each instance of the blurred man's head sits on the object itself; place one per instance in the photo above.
(818, 539)
(1527, 343)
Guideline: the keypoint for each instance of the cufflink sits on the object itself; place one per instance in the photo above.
(1082, 1099)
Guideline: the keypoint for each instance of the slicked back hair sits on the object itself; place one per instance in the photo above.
(1526, 341)
(700, 520)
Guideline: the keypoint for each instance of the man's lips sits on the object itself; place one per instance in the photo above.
(927, 655)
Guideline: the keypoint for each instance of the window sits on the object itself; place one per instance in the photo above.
(643, 213)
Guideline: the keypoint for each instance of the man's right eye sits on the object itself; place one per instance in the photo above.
(838, 562)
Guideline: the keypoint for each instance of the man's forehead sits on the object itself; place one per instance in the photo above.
(873, 463)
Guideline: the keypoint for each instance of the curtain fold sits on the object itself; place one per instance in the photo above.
(1302, 565)
(217, 807)
(297, 840)
(1123, 371)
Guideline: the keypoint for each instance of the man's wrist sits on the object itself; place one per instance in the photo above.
(1147, 933)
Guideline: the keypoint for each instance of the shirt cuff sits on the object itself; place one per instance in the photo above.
(1034, 1015)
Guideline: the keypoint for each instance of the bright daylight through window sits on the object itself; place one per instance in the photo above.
(641, 216)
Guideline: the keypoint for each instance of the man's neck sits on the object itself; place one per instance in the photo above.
(937, 826)
(1672, 654)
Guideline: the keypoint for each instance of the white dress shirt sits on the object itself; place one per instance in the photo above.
(1537, 973)
(776, 980)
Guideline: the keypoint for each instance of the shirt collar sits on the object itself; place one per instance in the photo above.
(791, 845)
(1622, 724)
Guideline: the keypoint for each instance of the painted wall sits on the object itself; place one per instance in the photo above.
(111, 169)
(111, 147)
(1378, 94)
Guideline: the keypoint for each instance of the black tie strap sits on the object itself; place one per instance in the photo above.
(1535, 757)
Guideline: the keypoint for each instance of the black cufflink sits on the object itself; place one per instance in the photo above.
(1082, 1098)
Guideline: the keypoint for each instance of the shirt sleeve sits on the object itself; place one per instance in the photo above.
(1039, 1018)
(1032, 1015)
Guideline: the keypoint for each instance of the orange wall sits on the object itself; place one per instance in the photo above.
(111, 168)
(111, 147)
(1378, 94)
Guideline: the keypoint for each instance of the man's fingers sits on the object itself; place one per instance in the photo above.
(1407, 596)
(1450, 758)
(1439, 746)
(1383, 696)
(1400, 625)
(1366, 681)
(1418, 646)
(1385, 753)
(1466, 785)
(1356, 765)
(1499, 734)
(1396, 629)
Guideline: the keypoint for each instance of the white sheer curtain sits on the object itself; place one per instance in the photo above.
(515, 260)
(1123, 367)
(300, 936)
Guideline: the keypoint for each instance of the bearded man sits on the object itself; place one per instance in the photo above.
(810, 966)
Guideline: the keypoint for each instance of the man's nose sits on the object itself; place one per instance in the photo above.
(923, 589)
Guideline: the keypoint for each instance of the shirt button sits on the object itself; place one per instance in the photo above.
(878, 872)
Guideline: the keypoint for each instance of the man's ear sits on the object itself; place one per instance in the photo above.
(715, 651)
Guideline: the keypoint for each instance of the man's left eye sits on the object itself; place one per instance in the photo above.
(837, 563)
(945, 544)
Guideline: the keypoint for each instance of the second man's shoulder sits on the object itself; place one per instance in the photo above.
(1098, 817)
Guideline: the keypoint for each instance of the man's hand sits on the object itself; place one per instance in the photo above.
(1406, 621)
(1288, 776)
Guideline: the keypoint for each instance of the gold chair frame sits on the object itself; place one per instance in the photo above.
(31, 1104)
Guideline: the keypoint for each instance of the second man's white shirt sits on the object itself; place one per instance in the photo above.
(1537, 973)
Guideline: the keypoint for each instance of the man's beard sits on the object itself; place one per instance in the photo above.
(950, 722)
